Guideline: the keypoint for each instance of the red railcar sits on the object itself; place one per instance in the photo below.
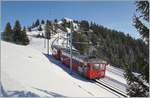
(91, 68)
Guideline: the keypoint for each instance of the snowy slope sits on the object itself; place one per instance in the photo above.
(32, 71)
(75, 25)
(26, 69)
(35, 31)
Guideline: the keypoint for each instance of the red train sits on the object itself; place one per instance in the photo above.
(91, 68)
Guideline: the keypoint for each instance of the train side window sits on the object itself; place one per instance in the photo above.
(96, 67)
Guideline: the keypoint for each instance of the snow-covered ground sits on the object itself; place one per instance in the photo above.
(116, 74)
(28, 71)
(25, 70)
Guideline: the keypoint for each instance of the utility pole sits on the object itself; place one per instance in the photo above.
(71, 26)
(47, 46)
(47, 36)
(67, 39)
(49, 31)
(45, 41)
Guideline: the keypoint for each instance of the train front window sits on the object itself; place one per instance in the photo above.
(102, 66)
(96, 66)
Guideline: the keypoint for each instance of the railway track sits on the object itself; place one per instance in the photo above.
(117, 72)
(110, 87)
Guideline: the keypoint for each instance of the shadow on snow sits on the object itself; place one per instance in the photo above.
(15, 93)
(66, 68)
(53, 94)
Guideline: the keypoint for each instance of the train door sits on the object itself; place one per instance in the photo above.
(88, 71)
(59, 54)
(84, 69)
(81, 68)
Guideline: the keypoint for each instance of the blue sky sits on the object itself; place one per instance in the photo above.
(112, 14)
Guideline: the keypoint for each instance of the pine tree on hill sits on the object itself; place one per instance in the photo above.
(37, 23)
(84, 25)
(33, 25)
(143, 9)
(48, 22)
(65, 23)
(42, 22)
(80, 38)
(55, 20)
(40, 28)
(8, 33)
(29, 29)
(24, 38)
(136, 85)
(17, 32)
(47, 30)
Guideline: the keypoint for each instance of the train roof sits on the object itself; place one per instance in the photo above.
(79, 57)
(96, 60)
(84, 58)
(56, 46)
(64, 48)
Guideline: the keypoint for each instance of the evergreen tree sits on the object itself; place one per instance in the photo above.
(143, 9)
(37, 23)
(136, 86)
(65, 23)
(42, 22)
(84, 25)
(40, 28)
(33, 25)
(48, 22)
(80, 41)
(24, 37)
(55, 20)
(17, 32)
(47, 30)
(29, 29)
(7, 34)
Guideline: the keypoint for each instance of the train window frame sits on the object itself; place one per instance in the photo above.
(102, 66)
(98, 68)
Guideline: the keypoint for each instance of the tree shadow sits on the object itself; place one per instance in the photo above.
(4, 93)
(66, 68)
(50, 93)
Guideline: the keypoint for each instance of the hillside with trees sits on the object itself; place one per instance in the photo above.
(16, 35)
(114, 46)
